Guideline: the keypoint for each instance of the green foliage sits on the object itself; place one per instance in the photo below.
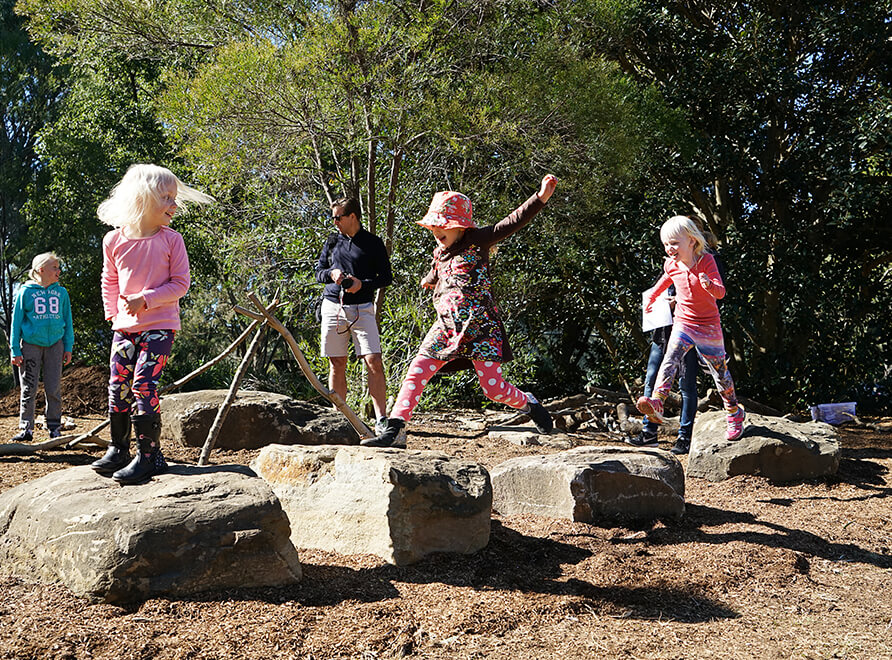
(29, 86)
(771, 123)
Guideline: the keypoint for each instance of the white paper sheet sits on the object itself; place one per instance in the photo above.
(660, 314)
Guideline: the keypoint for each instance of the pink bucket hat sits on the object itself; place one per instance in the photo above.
(448, 210)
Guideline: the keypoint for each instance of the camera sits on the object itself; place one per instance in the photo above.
(347, 282)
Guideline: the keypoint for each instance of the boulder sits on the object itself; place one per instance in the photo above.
(588, 484)
(256, 419)
(189, 530)
(400, 505)
(773, 447)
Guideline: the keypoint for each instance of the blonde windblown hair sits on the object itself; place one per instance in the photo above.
(682, 225)
(139, 190)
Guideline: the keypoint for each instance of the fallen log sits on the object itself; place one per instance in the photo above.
(25, 449)
(712, 399)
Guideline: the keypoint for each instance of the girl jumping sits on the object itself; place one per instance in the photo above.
(468, 324)
(696, 322)
(145, 272)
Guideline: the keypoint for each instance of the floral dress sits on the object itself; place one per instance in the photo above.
(468, 322)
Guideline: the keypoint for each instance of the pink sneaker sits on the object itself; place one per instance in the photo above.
(735, 424)
(651, 407)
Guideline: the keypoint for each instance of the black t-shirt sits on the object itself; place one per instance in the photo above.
(363, 256)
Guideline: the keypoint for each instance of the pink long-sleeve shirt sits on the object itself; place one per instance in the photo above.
(156, 267)
(693, 304)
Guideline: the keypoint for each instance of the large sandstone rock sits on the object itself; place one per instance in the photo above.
(588, 484)
(189, 530)
(399, 505)
(773, 447)
(256, 419)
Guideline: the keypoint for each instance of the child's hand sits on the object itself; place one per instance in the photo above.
(134, 303)
(549, 182)
(425, 284)
(66, 357)
(17, 360)
(705, 281)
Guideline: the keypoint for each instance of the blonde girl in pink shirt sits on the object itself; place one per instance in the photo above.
(696, 323)
(145, 272)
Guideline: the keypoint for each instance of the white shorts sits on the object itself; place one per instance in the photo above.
(341, 324)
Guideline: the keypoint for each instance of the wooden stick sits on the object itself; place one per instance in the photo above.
(24, 449)
(91, 435)
(229, 349)
(230, 396)
(333, 397)
(182, 381)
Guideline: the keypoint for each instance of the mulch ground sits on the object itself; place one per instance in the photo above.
(753, 570)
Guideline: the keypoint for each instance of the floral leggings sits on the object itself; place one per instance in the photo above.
(423, 368)
(710, 343)
(137, 360)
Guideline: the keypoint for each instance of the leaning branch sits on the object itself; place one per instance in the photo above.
(333, 397)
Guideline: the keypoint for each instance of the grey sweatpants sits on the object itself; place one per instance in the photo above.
(50, 357)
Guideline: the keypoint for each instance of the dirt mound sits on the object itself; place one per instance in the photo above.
(84, 392)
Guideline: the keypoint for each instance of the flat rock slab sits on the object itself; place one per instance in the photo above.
(529, 437)
(256, 419)
(399, 505)
(773, 447)
(588, 484)
(189, 530)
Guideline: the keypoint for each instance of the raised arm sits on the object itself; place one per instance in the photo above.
(520, 217)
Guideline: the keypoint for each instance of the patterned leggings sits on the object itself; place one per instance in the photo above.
(710, 343)
(137, 360)
(423, 368)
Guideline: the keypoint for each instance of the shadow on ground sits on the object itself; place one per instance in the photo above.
(511, 562)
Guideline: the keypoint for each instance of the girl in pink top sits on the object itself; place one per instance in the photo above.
(145, 272)
(696, 322)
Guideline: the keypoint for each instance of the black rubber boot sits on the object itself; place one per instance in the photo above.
(118, 454)
(539, 415)
(393, 436)
(149, 460)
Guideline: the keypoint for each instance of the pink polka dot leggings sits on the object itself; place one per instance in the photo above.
(423, 368)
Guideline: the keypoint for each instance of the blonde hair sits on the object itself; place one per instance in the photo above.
(679, 225)
(39, 262)
(139, 190)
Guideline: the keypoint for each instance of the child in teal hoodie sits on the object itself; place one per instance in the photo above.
(41, 335)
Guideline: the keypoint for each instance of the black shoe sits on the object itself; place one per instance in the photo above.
(540, 416)
(643, 439)
(394, 435)
(24, 435)
(682, 445)
(118, 454)
(149, 461)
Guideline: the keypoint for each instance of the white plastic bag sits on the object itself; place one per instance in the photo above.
(833, 413)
